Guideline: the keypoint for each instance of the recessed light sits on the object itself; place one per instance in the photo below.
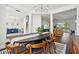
(18, 10)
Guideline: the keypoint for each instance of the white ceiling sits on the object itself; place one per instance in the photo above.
(31, 7)
(66, 15)
(26, 8)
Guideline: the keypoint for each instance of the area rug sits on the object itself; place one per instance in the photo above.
(60, 48)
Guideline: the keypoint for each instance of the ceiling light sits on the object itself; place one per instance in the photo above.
(18, 11)
(41, 8)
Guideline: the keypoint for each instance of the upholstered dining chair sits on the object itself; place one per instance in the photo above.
(39, 48)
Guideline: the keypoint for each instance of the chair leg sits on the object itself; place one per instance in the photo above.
(52, 47)
(48, 48)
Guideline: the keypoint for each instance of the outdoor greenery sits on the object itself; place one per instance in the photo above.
(65, 27)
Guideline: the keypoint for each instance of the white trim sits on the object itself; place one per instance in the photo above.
(51, 23)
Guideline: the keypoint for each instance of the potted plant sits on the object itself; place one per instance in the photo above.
(40, 30)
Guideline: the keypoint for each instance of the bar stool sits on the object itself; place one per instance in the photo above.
(39, 48)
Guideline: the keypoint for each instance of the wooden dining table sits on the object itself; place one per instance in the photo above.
(25, 39)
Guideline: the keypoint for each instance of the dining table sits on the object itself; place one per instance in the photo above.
(28, 38)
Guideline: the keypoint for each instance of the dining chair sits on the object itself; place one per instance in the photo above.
(51, 44)
(57, 33)
(16, 49)
(39, 48)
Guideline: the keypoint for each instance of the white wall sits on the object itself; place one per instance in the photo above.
(46, 24)
(77, 21)
(36, 22)
(14, 19)
(2, 26)
(46, 21)
(12, 22)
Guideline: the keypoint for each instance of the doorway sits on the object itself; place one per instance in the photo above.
(66, 21)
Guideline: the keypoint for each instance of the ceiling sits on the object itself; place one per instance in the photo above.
(26, 8)
(31, 7)
(70, 14)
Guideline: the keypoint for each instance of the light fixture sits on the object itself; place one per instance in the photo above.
(14, 8)
(18, 11)
(41, 8)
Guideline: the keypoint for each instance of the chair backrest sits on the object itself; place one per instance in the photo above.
(4, 51)
(38, 45)
(57, 32)
(16, 49)
(13, 49)
(52, 37)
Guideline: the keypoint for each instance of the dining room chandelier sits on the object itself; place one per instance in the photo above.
(41, 8)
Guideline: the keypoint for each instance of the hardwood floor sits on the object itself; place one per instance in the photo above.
(75, 45)
(72, 44)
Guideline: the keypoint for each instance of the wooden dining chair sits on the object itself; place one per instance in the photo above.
(51, 44)
(12, 49)
(39, 48)
(57, 33)
(16, 49)
(9, 47)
